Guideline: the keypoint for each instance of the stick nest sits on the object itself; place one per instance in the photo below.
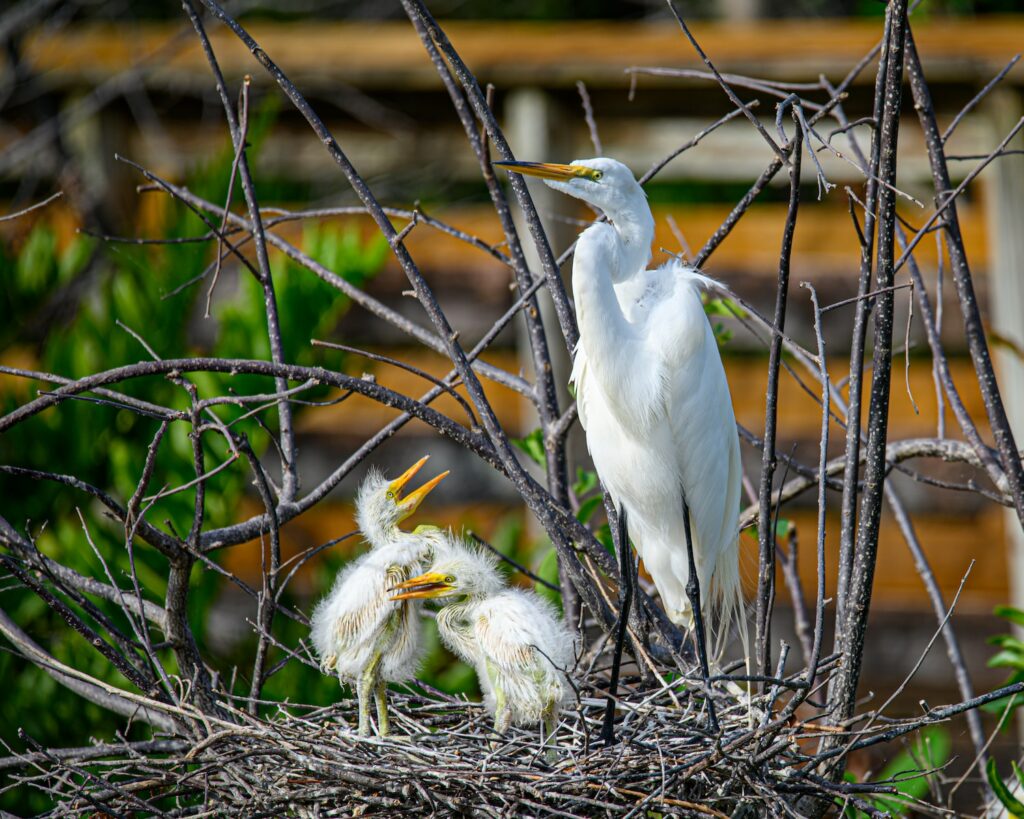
(442, 759)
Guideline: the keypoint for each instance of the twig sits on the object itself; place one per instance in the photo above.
(765, 533)
(19, 213)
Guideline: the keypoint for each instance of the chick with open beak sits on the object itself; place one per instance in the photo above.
(360, 634)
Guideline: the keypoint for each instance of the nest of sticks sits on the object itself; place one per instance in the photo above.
(443, 759)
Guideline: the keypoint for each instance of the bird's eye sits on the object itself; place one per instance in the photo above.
(449, 579)
(391, 495)
(596, 176)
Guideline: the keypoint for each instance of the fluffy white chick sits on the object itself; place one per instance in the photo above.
(358, 632)
(515, 640)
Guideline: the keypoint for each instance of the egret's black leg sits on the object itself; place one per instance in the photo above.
(625, 600)
(693, 593)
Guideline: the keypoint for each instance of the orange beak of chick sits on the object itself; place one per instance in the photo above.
(410, 503)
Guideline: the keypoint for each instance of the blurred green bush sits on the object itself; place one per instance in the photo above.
(105, 446)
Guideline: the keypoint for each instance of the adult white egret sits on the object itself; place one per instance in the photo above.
(515, 640)
(358, 633)
(653, 399)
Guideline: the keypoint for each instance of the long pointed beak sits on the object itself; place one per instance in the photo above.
(399, 482)
(431, 584)
(410, 503)
(547, 170)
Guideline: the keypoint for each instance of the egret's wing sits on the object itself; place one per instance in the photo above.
(504, 632)
(579, 382)
(703, 426)
(356, 609)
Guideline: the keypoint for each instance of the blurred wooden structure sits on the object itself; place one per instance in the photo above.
(379, 93)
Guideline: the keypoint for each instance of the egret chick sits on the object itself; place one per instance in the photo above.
(515, 640)
(359, 634)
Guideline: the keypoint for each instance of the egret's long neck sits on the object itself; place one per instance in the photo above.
(616, 351)
(598, 263)
(635, 226)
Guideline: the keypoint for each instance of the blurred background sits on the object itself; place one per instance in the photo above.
(81, 81)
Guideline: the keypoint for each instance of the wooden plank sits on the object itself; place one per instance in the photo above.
(951, 544)
(825, 244)
(380, 54)
(735, 153)
(800, 414)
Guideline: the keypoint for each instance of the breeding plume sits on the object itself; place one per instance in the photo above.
(360, 634)
(518, 644)
(652, 396)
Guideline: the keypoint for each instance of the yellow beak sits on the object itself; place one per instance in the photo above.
(549, 170)
(431, 584)
(410, 503)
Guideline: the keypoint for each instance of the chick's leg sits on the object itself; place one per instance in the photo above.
(550, 723)
(363, 696)
(394, 625)
(365, 688)
(502, 711)
(381, 695)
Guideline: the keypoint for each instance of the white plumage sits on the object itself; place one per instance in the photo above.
(360, 634)
(652, 393)
(515, 640)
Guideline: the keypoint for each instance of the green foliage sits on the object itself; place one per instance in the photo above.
(910, 771)
(548, 571)
(782, 528)
(1011, 656)
(1003, 793)
(727, 308)
(533, 446)
(106, 446)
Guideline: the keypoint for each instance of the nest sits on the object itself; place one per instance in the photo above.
(443, 760)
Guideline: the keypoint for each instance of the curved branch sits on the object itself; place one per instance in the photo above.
(35, 654)
(946, 449)
(89, 585)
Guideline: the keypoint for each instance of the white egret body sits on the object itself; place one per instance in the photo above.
(515, 640)
(359, 634)
(652, 393)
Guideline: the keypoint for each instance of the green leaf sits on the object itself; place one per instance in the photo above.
(724, 307)
(782, 526)
(74, 257)
(1012, 804)
(533, 446)
(1008, 643)
(1014, 615)
(548, 571)
(588, 507)
(1007, 659)
(586, 481)
(904, 771)
(36, 262)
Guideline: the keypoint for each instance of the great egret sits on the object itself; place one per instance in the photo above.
(358, 633)
(518, 644)
(653, 399)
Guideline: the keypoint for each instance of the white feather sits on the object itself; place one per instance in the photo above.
(653, 398)
(514, 639)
